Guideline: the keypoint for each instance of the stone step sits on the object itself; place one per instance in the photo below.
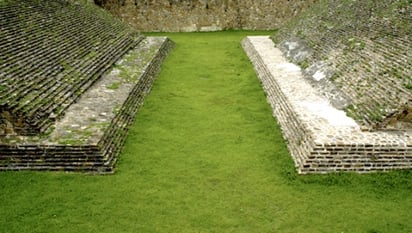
(53, 52)
(90, 136)
(320, 138)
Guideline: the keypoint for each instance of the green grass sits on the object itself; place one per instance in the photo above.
(205, 155)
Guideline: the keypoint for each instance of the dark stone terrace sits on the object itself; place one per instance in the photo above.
(51, 52)
(72, 79)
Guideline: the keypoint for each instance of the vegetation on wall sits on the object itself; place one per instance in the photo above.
(50, 53)
(205, 155)
(367, 43)
(204, 15)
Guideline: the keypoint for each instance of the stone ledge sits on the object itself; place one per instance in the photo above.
(91, 135)
(321, 139)
(50, 53)
(359, 53)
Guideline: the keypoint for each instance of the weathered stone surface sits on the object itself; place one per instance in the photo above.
(321, 138)
(210, 15)
(296, 49)
(401, 119)
(319, 75)
(367, 45)
(50, 53)
(92, 132)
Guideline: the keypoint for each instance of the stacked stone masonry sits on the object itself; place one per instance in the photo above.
(90, 135)
(60, 109)
(321, 138)
(50, 53)
(204, 15)
(367, 46)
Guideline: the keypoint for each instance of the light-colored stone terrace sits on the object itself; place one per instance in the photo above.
(321, 138)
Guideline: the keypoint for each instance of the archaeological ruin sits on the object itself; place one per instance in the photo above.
(342, 90)
(56, 110)
(337, 74)
(204, 15)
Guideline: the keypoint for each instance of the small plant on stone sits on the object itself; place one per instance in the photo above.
(113, 86)
(304, 64)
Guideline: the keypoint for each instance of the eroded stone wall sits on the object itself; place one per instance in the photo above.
(93, 146)
(366, 46)
(50, 53)
(318, 143)
(204, 15)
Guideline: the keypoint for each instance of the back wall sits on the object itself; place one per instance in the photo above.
(204, 15)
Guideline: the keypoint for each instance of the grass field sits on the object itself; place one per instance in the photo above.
(205, 155)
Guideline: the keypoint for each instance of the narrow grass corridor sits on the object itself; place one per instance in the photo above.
(205, 155)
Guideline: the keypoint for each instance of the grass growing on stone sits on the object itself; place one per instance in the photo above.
(205, 155)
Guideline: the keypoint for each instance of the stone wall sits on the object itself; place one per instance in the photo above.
(318, 142)
(53, 56)
(50, 53)
(89, 138)
(205, 15)
(115, 135)
(360, 49)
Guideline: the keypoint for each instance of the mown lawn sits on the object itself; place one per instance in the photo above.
(205, 155)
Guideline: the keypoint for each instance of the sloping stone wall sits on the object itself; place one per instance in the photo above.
(59, 108)
(90, 137)
(50, 53)
(362, 48)
(205, 15)
(321, 139)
